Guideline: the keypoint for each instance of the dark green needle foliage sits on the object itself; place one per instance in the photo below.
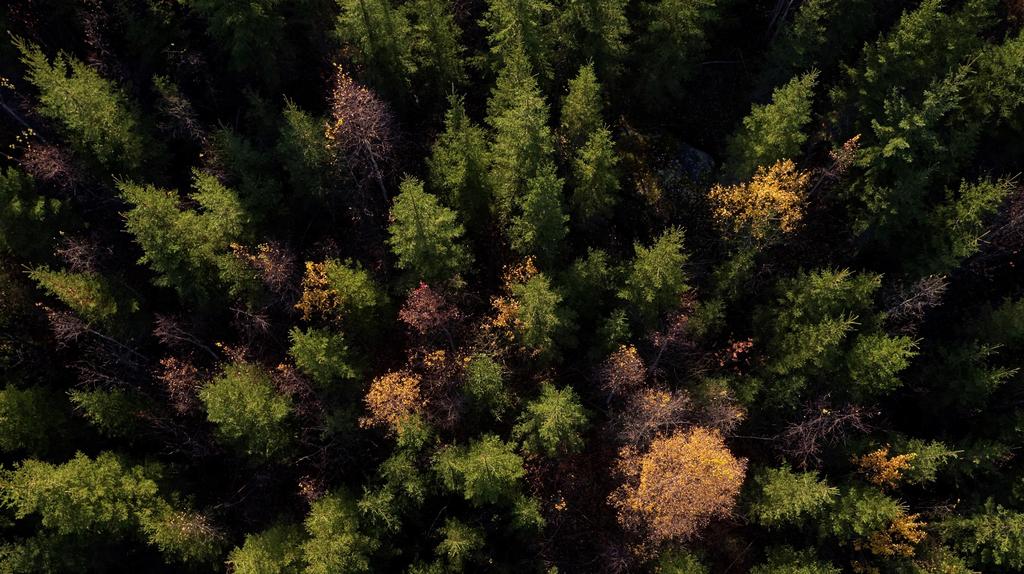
(417, 286)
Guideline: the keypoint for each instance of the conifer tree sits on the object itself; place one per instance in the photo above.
(522, 140)
(540, 319)
(303, 147)
(458, 166)
(540, 228)
(342, 292)
(252, 33)
(521, 26)
(784, 497)
(248, 410)
(90, 295)
(322, 354)
(98, 118)
(595, 31)
(190, 250)
(581, 110)
(437, 50)
(276, 549)
(596, 178)
(28, 220)
(487, 471)
(425, 236)
(774, 131)
(553, 423)
(31, 419)
(657, 279)
(336, 545)
(669, 45)
(382, 38)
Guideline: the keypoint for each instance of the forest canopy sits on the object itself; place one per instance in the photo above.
(515, 286)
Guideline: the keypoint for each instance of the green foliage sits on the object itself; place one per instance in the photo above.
(677, 561)
(335, 544)
(276, 550)
(858, 512)
(459, 544)
(190, 250)
(31, 419)
(83, 495)
(774, 131)
(595, 32)
(671, 43)
(960, 222)
(90, 295)
(786, 560)
(929, 458)
(383, 42)
(182, 536)
(114, 413)
(541, 318)
(522, 139)
(436, 50)
(541, 227)
(484, 385)
(252, 34)
(488, 471)
(248, 410)
(322, 354)
(581, 110)
(552, 424)
(875, 361)
(783, 497)
(657, 279)
(596, 177)
(520, 26)
(303, 149)
(95, 113)
(28, 221)
(425, 236)
(458, 166)
(993, 537)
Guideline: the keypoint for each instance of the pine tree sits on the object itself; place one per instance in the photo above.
(487, 471)
(773, 132)
(540, 229)
(276, 549)
(520, 26)
(656, 279)
(670, 44)
(321, 354)
(336, 545)
(437, 51)
(522, 140)
(90, 295)
(98, 118)
(28, 220)
(459, 544)
(383, 40)
(458, 165)
(540, 318)
(596, 178)
(553, 423)
(248, 410)
(784, 497)
(303, 147)
(31, 419)
(190, 250)
(425, 236)
(581, 110)
(595, 31)
(252, 33)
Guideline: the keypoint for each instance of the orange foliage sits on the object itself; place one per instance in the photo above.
(317, 295)
(882, 470)
(772, 201)
(392, 398)
(899, 539)
(679, 485)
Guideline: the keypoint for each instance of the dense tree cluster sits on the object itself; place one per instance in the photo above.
(552, 286)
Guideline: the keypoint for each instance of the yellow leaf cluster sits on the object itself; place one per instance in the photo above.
(391, 399)
(679, 485)
(882, 470)
(771, 202)
(899, 539)
(317, 295)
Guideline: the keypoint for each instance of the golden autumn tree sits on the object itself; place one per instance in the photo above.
(392, 398)
(883, 470)
(675, 488)
(770, 204)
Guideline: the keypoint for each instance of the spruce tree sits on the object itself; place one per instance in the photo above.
(425, 236)
(458, 166)
(540, 228)
(383, 42)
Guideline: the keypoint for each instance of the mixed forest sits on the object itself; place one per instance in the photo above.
(523, 286)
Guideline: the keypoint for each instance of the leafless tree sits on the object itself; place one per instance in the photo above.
(362, 131)
(906, 307)
(820, 425)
